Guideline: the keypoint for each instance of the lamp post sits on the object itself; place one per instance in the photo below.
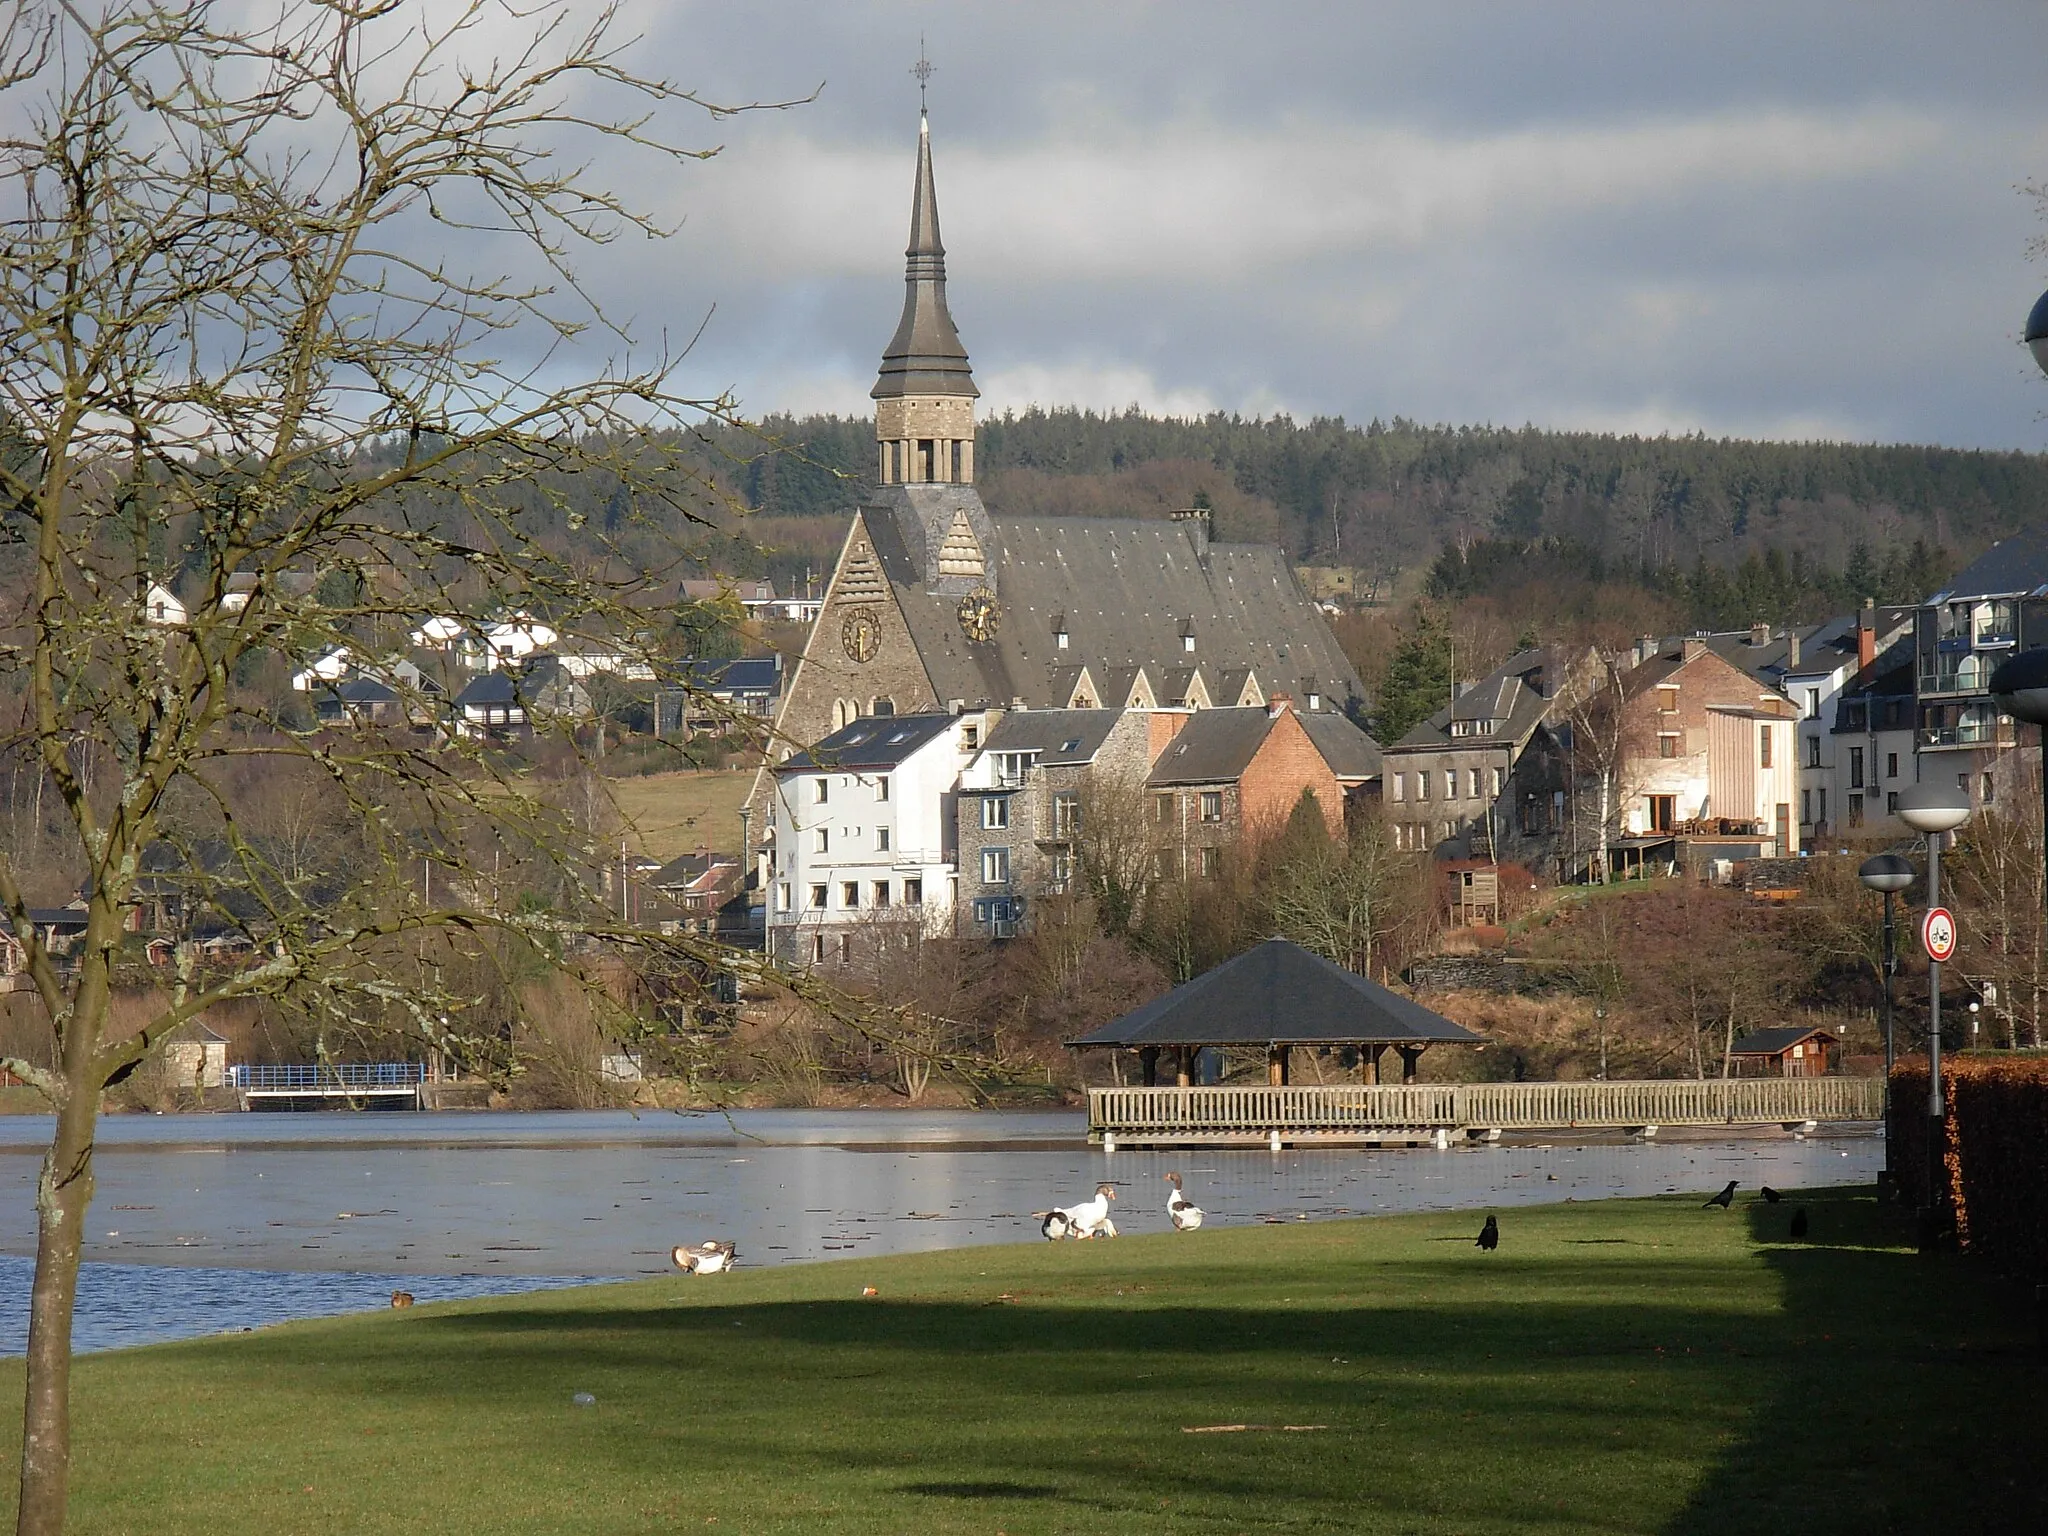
(1934, 809)
(1890, 874)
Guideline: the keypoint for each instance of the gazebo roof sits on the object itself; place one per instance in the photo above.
(1278, 993)
(1773, 1042)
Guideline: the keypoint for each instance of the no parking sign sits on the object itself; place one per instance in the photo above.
(1938, 933)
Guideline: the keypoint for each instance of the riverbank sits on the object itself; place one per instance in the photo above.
(1621, 1366)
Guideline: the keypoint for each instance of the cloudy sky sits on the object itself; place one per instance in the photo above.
(1789, 220)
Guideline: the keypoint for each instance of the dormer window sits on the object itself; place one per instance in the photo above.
(1059, 631)
(1315, 701)
(1187, 636)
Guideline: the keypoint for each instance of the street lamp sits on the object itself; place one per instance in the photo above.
(2037, 332)
(1890, 874)
(1934, 809)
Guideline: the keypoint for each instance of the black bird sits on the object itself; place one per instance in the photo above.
(1799, 1222)
(1723, 1199)
(1771, 1196)
(1489, 1235)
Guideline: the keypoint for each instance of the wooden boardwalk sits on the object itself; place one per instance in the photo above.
(1356, 1113)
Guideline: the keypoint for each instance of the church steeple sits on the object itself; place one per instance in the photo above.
(924, 396)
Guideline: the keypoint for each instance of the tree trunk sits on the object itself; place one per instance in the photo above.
(62, 1195)
(1604, 809)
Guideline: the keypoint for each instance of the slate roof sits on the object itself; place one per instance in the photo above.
(1214, 747)
(874, 741)
(1822, 647)
(488, 688)
(924, 357)
(1127, 588)
(1278, 993)
(1509, 697)
(1352, 755)
(742, 674)
(1770, 1042)
(2007, 569)
(1059, 736)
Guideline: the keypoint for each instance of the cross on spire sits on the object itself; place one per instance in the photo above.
(924, 69)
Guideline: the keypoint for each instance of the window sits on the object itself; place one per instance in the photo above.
(1813, 751)
(1011, 768)
(1963, 782)
(1450, 783)
(817, 949)
(1763, 743)
(1855, 767)
(845, 948)
(1472, 783)
(1806, 806)
(1162, 810)
(818, 894)
(1187, 642)
(995, 866)
(881, 893)
(1066, 813)
(1855, 810)
(1891, 804)
(1212, 805)
(995, 812)
(1315, 701)
(1162, 864)
(970, 737)
(1813, 703)
(1667, 697)
(1987, 795)
(882, 790)
(884, 705)
(1891, 765)
(1823, 803)
(1422, 785)
(1062, 868)
(881, 839)
(849, 894)
(1212, 862)
(1500, 782)
(1059, 639)
(821, 839)
(1399, 787)
(783, 895)
(1667, 745)
(821, 790)
(913, 893)
(1663, 812)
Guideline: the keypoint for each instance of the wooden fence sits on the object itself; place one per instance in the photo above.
(1363, 1113)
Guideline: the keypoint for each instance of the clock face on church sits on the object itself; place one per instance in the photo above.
(979, 614)
(861, 635)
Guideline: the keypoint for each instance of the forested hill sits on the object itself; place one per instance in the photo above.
(1807, 520)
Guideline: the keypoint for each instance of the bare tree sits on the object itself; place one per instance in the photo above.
(254, 402)
(1607, 737)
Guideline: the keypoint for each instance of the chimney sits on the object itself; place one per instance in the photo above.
(1646, 647)
(1277, 704)
(1202, 529)
(1693, 649)
(1866, 634)
(1791, 648)
(1759, 635)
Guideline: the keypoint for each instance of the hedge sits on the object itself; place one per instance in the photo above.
(1996, 1158)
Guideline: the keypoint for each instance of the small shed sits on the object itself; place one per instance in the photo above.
(1278, 995)
(198, 1057)
(1788, 1052)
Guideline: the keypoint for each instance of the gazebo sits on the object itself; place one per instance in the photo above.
(1277, 995)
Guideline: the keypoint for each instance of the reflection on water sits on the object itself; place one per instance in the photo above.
(337, 1210)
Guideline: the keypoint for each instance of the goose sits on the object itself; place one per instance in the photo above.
(706, 1258)
(1183, 1212)
(1055, 1224)
(1091, 1217)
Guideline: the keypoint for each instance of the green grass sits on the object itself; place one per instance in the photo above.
(1620, 1367)
(674, 813)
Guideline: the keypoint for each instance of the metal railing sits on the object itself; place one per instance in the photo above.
(331, 1077)
(1262, 1109)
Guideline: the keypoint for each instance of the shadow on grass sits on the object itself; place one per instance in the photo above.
(1906, 1406)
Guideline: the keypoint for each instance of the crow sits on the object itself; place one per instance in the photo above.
(1799, 1222)
(1722, 1199)
(1489, 1235)
(1771, 1196)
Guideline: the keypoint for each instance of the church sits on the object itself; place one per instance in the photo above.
(936, 604)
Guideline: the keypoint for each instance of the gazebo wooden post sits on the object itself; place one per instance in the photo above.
(1184, 1063)
(1148, 1064)
(1410, 1054)
(1369, 1063)
(1276, 1066)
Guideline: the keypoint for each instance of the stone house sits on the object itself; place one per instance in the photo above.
(1872, 742)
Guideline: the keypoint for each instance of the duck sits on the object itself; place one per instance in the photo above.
(1091, 1217)
(401, 1298)
(1183, 1212)
(706, 1258)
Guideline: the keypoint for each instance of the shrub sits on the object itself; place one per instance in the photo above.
(1996, 1154)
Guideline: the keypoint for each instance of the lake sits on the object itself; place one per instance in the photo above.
(204, 1223)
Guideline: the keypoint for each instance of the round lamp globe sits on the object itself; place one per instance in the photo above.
(1934, 807)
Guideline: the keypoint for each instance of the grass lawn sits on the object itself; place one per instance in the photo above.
(671, 813)
(1618, 1367)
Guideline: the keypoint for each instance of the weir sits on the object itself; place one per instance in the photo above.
(1361, 1114)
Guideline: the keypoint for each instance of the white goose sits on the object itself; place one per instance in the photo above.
(1088, 1219)
(1183, 1212)
(706, 1258)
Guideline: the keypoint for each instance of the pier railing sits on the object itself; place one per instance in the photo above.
(1257, 1111)
(329, 1077)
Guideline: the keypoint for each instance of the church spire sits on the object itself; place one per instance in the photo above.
(924, 413)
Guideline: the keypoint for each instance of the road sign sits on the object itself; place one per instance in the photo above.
(1938, 933)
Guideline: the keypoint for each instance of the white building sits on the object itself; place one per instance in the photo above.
(1817, 667)
(162, 607)
(864, 837)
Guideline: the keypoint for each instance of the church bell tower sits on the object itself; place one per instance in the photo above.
(924, 397)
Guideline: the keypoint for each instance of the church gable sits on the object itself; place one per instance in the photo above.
(960, 554)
